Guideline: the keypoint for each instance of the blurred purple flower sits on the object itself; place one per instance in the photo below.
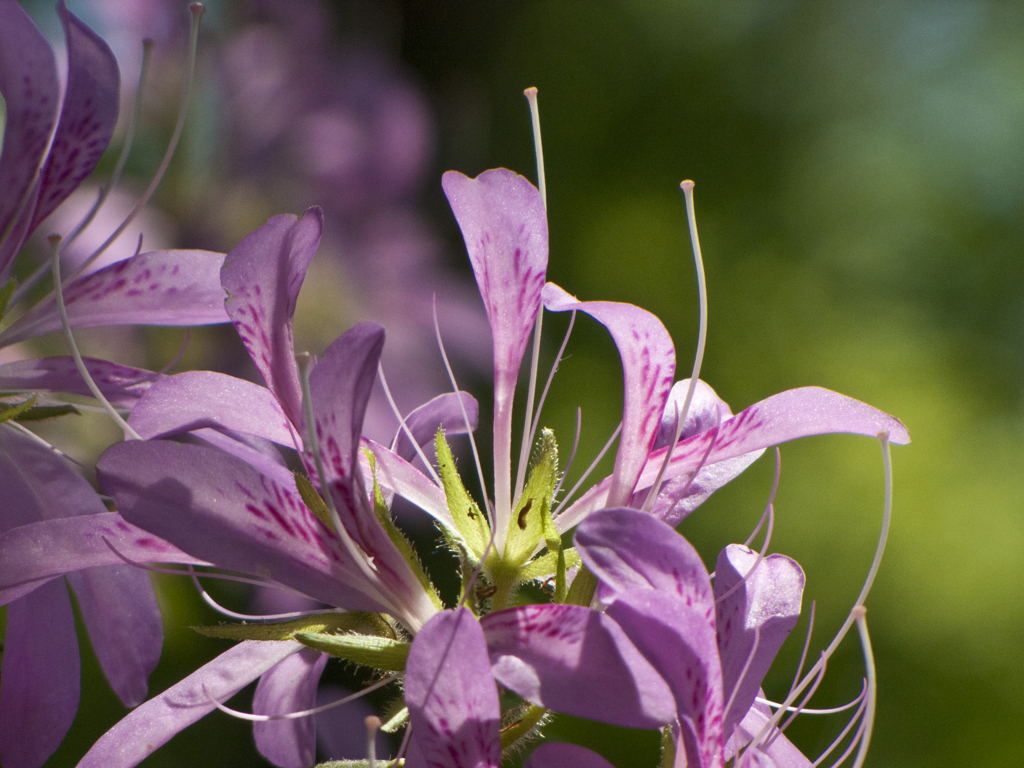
(37, 174)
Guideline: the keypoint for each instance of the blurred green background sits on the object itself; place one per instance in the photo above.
(859, 172)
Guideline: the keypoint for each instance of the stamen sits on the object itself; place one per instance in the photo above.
(197, 10)
(405, 427)
(852, 617)
(296, 715)
(572, 454)
(57, 451)
(856, 719)
(535, 421)
(807, 645)
(702, 297)
(465, 416)
(185, 572)
(538, 148)
(208, 599)
(860, 615)
(79, 363)
(829, 711)
(592, 467)
(769, 508)
(372, 723)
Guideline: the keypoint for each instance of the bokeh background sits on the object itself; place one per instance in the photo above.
(859, 172)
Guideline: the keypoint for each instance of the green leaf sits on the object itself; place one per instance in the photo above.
(471, 522)
(8, 412)
(44, 412)
(364, 623)
(375, 652)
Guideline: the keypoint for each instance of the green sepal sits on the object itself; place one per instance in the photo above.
(44, 412)
(547, 564)
(401, 543)
(471, 522)
(314, 500)
(8, 290)
(375, 652)
(582, 589)
(364, 623)
(513, 734)
(554, 542)
(526, 528)
(8, 412)
(397, 716)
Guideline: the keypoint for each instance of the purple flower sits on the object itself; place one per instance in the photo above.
(36, 175)
(712, 645)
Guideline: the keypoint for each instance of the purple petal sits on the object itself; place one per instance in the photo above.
(764, 609)
(786, 416)
(680, 496)
(158, 288)
(28, 83)
(155, 722)
(262, 276)
(444, 412)
(41, 678)
(396, 475)
(198, 399)
(288, 687)
(123, 619)
(503, 222)
(33, 554)
(678, 642)
(574, 660)
(37, 484)
(706, 410)
(87, 117)
(451, 695)
(340, 388)
(556, 754)
(648, 367)
(627, 549)
(219, 508)
(779, 750)
(119, 383)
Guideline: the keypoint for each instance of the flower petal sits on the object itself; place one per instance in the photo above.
(451, 695)
(505, 227)
(783, 417)
(41, 677)
(123, 619)
(262, 276)
(395, 475)
(155, 722)
(556, 754)
(120, 384)
(678, 642)
(198, 399)
(290, 686)
(157, 288)
(627, 549)
(32, 554)
(219, 508)
(755, 619)
(443, 412)
(781, 752)
(87, 117)
(28, 83)
(648, 367)
(574, 660)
